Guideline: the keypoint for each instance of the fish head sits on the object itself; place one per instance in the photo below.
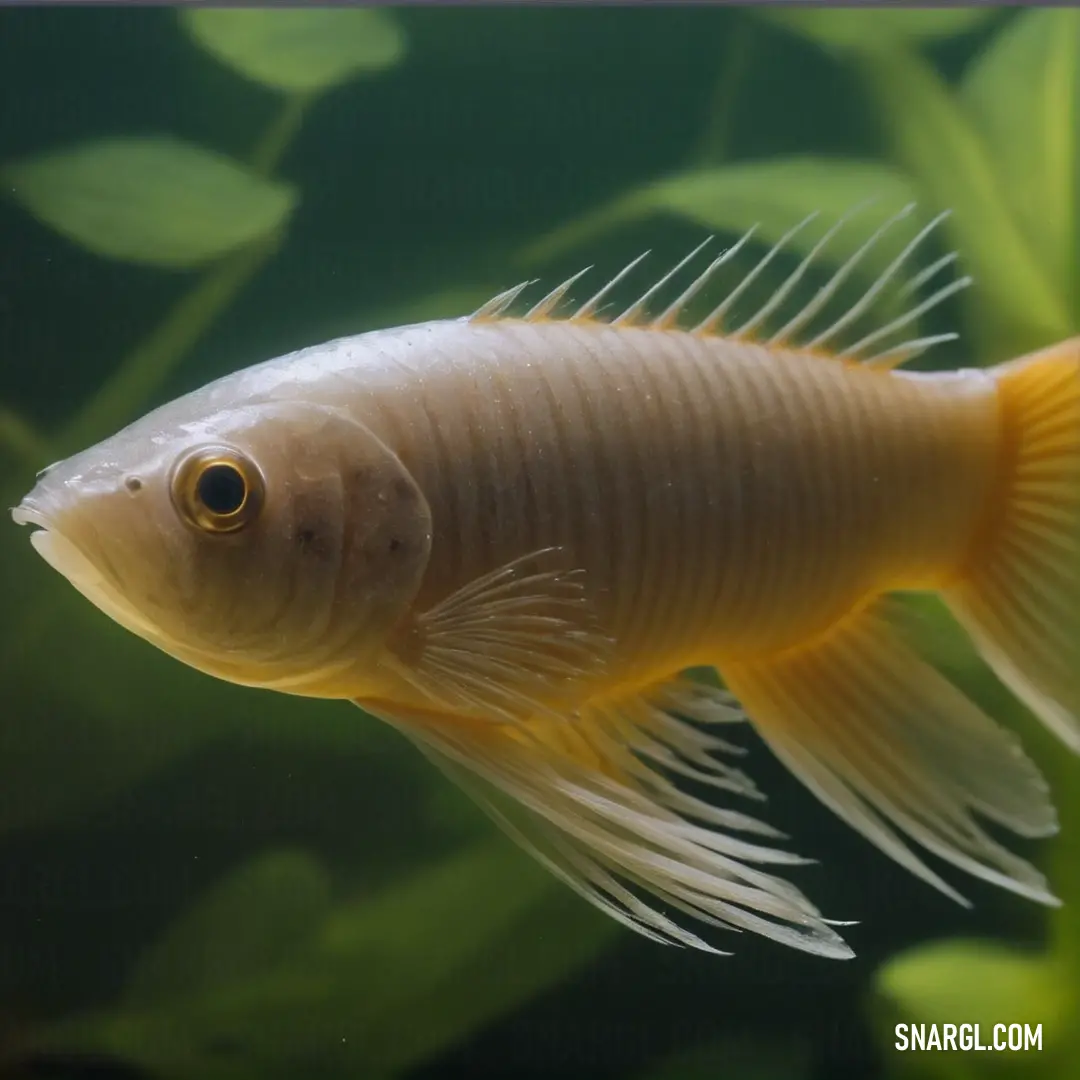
(274, 544)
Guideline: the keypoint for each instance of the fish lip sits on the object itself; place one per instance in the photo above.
(27, 513)
(48, 539)
(92, 577)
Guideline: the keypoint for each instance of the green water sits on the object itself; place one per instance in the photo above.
(202, 881)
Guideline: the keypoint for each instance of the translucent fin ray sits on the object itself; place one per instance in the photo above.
(495, 647)
(872, 346)
(793, 279)
(1019, 594)
(547, 304)
(639, 306)
(583, 798)
(715, 318)
(498, 305)
(828, 290)
(909, 316)
(669, 317)
(592, 305)
(886, 741)
(868, 297)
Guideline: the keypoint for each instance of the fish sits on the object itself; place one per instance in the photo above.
(569, 551)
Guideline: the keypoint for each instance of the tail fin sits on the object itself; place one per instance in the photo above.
(1020, 598)
(879, 735)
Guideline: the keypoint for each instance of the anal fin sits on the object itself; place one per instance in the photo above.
(594, 796)
(887, 742)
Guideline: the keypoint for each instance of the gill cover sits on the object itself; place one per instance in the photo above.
(272, 544)
(340, 544)
(344, 471)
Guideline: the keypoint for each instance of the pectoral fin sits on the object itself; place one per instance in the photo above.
(507, 644)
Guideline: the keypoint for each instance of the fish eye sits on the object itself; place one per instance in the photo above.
(218, 489)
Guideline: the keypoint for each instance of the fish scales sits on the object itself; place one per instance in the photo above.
(512, 538)
(673, 467)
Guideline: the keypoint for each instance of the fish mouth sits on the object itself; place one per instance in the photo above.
(29, 513)
(72, 563)
(56, 549)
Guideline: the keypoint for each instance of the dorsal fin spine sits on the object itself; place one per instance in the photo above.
(639, 305)
(670, 315)
(499, 303)
(896, 355)
(826, 292)
(715, 317)
(545, 306)
(874, 290)
(589, 307)
(908, 316)
(636, 315)
(793, 278)
(923, 276)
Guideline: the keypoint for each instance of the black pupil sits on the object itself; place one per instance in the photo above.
(221, 489)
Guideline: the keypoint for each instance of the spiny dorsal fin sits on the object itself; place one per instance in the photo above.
(592, 305)
(637, 310)
(871, 349)
(544, 307)
(499, 303)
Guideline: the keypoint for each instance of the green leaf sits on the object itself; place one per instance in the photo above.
(742, 1058)
(298, 50)
(131, 387)
(779, 193)
(773, 194)
(153, 200)
(1065, 873)
(428, 949)
(853, 29)
(247, 924)
(385, 984)
(449, 303)
(1024, 95)
(937, 635)
(977, 980)
(984, 983)
(933, 138)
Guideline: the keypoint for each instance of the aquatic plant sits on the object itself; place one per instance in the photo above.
(272, 963)
(263, 973)
(1001, 150)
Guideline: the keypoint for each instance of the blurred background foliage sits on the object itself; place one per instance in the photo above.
(202, 881)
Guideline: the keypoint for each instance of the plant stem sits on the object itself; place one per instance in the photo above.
(713, 146)
(27, 444)
(279, 135)
(573, 234)
(146, 367)
(711, 149)
(153, 359)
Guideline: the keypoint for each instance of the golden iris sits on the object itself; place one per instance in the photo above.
(218, 489)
